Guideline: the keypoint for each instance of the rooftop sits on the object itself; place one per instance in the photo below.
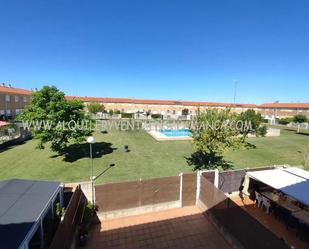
(21, 205)
(12, 90)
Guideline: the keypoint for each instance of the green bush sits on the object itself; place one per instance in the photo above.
(156, 116)
(285, 121)
(261, 131)
(299, 118)
(127, 115)
(59, 210)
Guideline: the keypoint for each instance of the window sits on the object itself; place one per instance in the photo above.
(25, 99)
(7, 98)
(2, 112)
(8, 112)
(18, 111)
(16, 98)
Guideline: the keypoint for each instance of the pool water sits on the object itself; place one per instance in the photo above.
(176, 133)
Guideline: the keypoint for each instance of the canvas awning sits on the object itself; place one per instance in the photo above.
(290, 181)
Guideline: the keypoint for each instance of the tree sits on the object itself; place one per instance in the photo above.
(298, 119)
(214, 131)
(54, 119)
(255, 120)
(95, 107)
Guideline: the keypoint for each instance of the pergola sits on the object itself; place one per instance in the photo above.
(290, 181)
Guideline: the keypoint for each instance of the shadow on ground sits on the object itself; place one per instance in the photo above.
(199, 161)
(303, 133)
(78, 151)
(249, 146)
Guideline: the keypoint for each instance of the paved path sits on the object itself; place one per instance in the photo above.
(185, 228)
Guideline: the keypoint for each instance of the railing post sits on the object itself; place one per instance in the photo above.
(180, 189)
(93, 193)
(216, 182)
(61, 193)
(198, 186)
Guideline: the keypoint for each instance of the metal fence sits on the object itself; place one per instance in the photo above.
(234, 221)
(189, 189)
(126, 195)
(66, 231)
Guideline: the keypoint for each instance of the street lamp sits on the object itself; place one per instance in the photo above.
(90, 140)
(235, 89)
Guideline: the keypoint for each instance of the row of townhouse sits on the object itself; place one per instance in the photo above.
(164, 107)
(13, 100)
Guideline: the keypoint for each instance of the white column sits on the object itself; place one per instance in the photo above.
(180, 189)
(61, 195)
(216, 182)
(42, 232)
(198, 186)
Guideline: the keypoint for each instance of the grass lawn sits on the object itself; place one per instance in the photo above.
(147, 158)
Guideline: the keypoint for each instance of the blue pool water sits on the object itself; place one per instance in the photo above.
(176, 133)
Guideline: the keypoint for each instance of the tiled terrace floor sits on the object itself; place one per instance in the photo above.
(176, 228)
(274, 225)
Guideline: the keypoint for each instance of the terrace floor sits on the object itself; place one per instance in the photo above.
(271, 223)
(175, 228)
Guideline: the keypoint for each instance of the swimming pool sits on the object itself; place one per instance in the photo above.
(176, 133)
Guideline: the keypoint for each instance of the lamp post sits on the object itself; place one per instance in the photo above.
(90, 140)
(235, 90)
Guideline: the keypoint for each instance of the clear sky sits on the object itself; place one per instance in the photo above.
(159, 49)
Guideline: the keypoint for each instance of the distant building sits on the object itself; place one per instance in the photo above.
(12, 101)
(280, 110)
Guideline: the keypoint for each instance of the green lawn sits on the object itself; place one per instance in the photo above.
(147, 158)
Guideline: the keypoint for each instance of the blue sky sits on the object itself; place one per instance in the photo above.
(160, 49)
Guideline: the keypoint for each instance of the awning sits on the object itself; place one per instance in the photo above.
(285, 180)
(298, 172)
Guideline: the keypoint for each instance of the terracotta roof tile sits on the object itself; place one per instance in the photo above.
(12, 90)
(160, 102)
(286, 105)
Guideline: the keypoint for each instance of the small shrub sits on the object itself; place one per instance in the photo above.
(127, 115)
(285, 121)
(156, 116)
(261, 131)
(59, 210)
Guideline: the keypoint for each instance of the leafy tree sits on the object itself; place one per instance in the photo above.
(299, 118)
(54, 119)
(95, 107)
(253, 119)
(214, 131)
